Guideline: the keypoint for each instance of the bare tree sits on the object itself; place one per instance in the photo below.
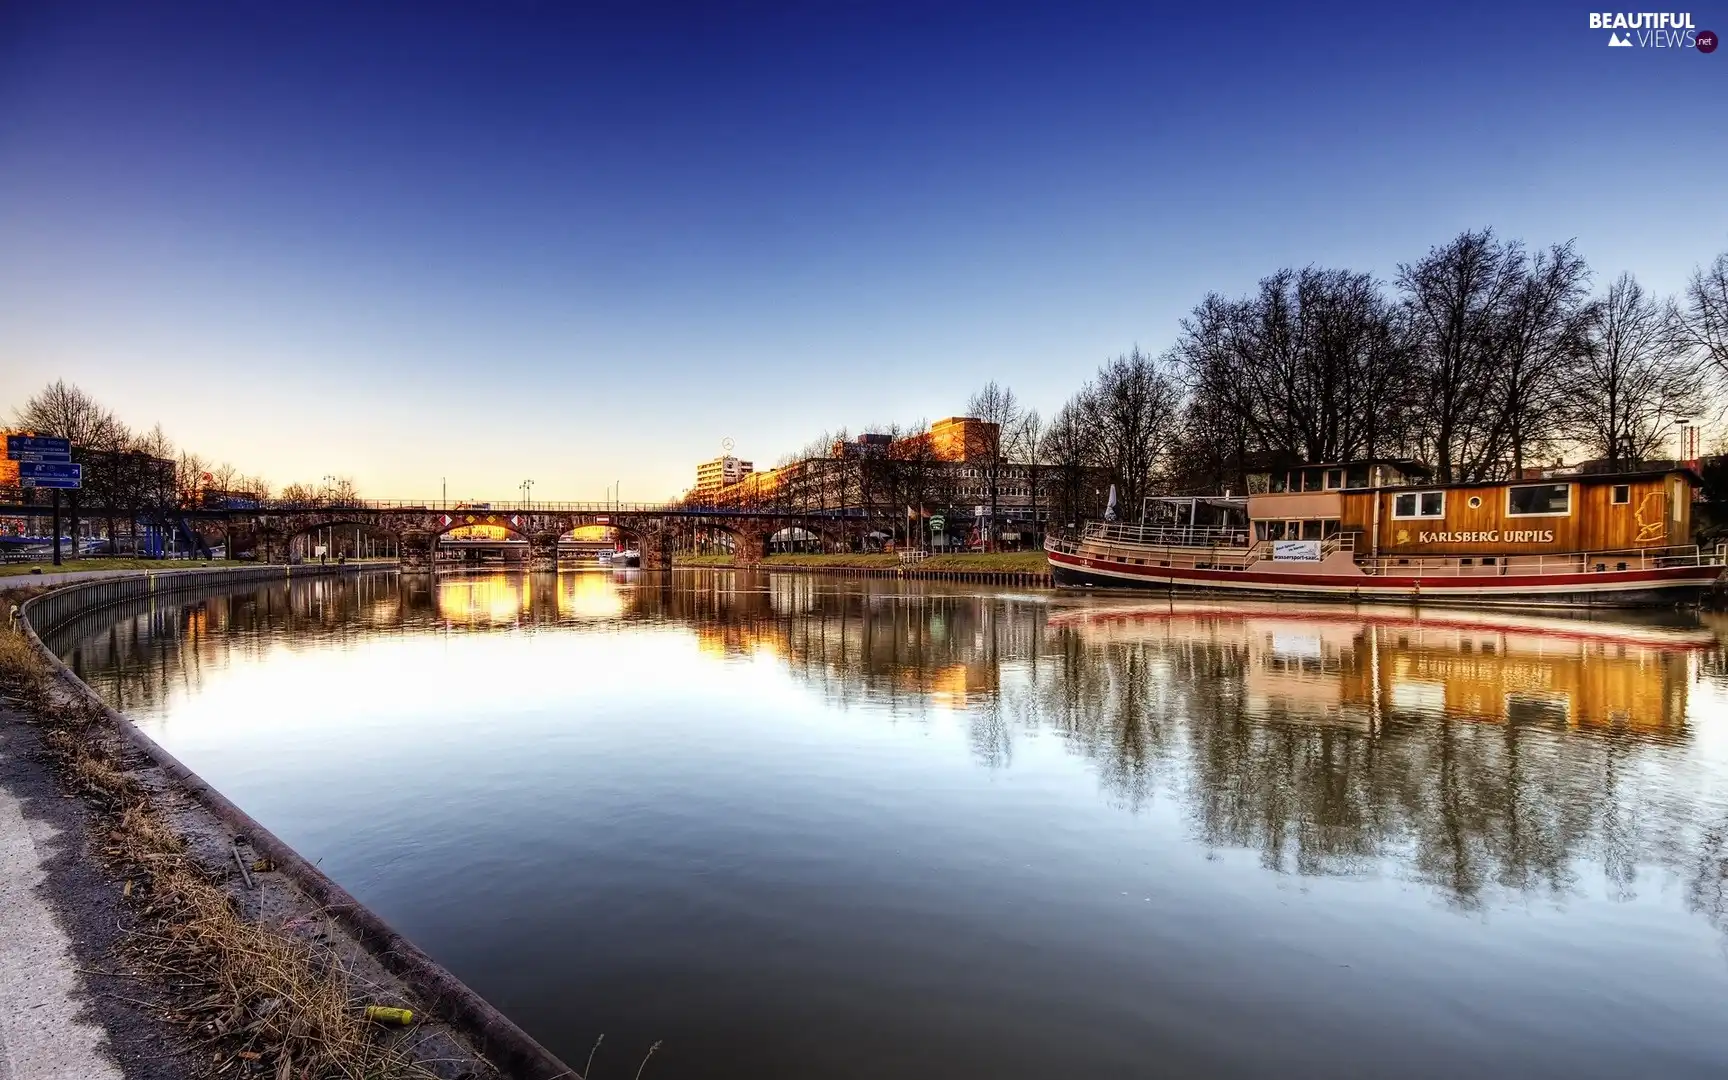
(1705, 317)
(1309, 368)
(1454, 300)
(1000, 411)
(1027, 448)
(224, 477)
(1130, 411)
(1069, 449)
(1634, 377)
(1542, 333)
(67, 412)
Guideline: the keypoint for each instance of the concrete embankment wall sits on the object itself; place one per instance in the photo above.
(493, 1035)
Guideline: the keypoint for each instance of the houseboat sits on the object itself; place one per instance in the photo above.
(1380, 531)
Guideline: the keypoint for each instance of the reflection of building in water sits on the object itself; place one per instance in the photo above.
(1355, 669)
(1524, 676)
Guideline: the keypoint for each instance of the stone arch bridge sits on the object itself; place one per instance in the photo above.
(653, 529)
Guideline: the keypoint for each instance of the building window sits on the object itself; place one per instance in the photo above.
(1334, 479)
(1622, 494)
(1539, 500)
(1419, 504)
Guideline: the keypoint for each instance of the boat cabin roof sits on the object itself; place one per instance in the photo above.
(1392, 473)
(1594, 479)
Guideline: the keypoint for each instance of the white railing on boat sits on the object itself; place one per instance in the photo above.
(1569, 562)
(1112, 532)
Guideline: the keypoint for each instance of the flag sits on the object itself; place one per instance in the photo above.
(1110, 507)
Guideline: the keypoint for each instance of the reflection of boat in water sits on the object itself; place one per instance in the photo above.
(628, 557)
(1378, 531)
(1356, 667)
(1098, 618)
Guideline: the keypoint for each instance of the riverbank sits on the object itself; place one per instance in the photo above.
(1006, 568)
(1011, 562)
(232, 953)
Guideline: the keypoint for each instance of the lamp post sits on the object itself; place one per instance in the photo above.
(527, 489)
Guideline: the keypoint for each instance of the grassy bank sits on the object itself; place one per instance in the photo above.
(258, 999)
(30, 569)
(1030, 562)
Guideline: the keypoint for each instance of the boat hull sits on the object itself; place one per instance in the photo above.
(1654, 587)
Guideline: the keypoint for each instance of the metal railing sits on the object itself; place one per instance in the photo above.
(1110, 532)
(1567, 562)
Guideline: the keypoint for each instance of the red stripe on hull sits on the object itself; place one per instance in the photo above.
(1597, 587)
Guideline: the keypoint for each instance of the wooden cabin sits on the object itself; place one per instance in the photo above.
(1390, 510)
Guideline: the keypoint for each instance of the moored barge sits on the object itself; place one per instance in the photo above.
(1378, 531)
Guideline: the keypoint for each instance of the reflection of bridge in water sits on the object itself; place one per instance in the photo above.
(1473, 753)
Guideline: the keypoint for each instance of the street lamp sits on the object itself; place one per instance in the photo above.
(527, 489)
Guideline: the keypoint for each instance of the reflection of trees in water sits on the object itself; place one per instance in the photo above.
(141, 652)
(1468, 805)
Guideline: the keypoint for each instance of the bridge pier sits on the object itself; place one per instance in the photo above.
(543, 552)
(749, 544)
(418, 550)
(655, 544)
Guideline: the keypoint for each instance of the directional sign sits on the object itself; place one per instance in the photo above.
(18, 445)
(52, 474)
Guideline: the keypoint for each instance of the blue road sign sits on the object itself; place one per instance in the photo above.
(51, 474)
(39, 455)
(38, 444)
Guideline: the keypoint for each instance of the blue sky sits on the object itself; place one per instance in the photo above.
(582, 244)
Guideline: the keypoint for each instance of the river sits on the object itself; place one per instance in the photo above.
(808, 826)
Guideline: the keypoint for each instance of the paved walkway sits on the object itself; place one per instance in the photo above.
(43, 1035)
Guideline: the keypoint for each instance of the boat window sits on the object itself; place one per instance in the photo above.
(1311, 530)
(1622, 494)
(1419, 504)
(1334, 479)
(1329, 528)
(1357, 476)
(1539, 500)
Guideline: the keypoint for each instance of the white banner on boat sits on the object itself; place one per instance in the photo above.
(1296, 550)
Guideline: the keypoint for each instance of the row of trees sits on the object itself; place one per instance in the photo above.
(129, 470)
(1481, 358)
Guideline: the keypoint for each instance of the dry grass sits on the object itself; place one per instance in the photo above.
(258, 1000)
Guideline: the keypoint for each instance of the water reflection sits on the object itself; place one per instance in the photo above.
(1476, 762)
